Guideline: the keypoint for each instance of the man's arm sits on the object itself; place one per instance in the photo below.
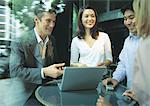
(120, 72)
(18, 66)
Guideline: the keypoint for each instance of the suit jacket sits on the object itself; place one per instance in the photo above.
(141, 73)
(25, 58)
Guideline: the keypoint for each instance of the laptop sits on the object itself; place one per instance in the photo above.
(78, 98)
(83, 78)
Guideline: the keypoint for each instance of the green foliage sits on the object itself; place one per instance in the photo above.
(18, 5)
(21, 9)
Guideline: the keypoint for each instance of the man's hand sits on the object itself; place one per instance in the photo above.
(110, 80)
(102, 102)
(54, 70)
(131, 94)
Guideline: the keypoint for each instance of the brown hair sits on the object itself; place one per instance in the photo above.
(81, 29)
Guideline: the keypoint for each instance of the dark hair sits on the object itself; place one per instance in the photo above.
(81, 29)
(40, 9)
(127, 7)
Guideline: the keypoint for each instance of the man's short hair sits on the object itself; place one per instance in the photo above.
(127, 7)
(40, 9)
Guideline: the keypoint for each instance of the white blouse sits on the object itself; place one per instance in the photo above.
(91, 56)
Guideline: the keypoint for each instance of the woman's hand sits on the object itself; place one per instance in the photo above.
(106, 63)
(78, 65)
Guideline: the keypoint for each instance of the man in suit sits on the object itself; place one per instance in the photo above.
(33, 55)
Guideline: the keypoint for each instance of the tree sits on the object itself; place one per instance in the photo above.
(22, 11)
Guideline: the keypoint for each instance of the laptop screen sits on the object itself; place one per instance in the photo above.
(75, 78)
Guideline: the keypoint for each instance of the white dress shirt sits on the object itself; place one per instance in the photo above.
(43, 44)
(126, 57)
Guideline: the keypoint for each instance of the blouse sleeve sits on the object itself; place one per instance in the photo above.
(74, 51)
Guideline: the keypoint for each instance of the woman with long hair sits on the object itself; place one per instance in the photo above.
(90, 47)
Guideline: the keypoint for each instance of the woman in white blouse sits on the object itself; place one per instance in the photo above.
(90, 47)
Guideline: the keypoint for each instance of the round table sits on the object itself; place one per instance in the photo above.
(50, 95)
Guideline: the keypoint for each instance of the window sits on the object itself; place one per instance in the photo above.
(2, 11)
(2, 34)
(2, 26)
(2, 19)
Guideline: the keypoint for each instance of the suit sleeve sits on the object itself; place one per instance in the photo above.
(19, 69)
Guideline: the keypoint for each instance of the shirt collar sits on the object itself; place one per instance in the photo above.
(131, 35)
(39, 38)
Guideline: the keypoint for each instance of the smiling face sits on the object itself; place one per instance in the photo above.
(88, 18)
(129, 21)
(45, 25)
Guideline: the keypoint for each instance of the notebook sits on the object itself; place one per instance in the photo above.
(78, 98)
(75, 78)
